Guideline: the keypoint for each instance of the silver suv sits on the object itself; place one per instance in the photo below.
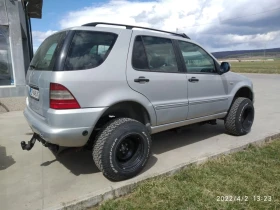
(108, 89)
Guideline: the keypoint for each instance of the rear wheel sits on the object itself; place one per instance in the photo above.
(122, 149)
(240, 117)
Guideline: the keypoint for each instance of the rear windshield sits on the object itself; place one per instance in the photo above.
(44, 57)
(89, 49)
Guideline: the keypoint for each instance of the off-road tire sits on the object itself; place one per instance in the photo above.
(233, 121)
(109, 140)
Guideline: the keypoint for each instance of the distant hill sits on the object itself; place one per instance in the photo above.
(275, 52)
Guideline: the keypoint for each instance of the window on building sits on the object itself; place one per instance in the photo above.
(6, 71)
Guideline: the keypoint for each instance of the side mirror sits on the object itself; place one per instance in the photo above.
(225, 67)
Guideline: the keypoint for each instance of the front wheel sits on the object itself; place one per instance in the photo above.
(240, 117)
(122, 149)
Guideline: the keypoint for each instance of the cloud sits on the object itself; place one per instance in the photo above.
(241, 42)
(216, 24)
(41, 35)
(163, 14)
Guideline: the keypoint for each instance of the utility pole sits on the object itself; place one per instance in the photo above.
(264, 50)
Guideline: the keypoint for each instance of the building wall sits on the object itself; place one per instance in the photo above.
(12, 19)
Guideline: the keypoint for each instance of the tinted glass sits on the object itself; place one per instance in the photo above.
(196, 59)
(160, 54)
(89, 49)
(139, 58)
(6, 73)
(46, 54)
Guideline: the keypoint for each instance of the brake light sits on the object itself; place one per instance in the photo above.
(62, 98)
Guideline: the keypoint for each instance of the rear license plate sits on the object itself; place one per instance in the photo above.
(34, 93)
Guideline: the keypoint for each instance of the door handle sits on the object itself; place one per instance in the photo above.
(141, 79)
(193, 79)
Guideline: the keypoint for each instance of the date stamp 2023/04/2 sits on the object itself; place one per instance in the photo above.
(257, 198)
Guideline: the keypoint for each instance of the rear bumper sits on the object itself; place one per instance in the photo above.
(64, 127)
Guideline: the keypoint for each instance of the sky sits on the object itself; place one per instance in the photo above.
(218, 25)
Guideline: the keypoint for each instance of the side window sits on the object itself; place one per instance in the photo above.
(89, 49)
(93, 50)
(48, 57)
(99, 49)
(154, 54)
(139, 58)
(196, 59)
(102, 49)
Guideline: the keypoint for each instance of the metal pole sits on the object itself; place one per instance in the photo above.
(31, 38)
(29, 31)
(264, 50)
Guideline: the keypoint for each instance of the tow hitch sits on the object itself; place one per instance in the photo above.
(32, 141)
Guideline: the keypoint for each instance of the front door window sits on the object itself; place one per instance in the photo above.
(196, 59)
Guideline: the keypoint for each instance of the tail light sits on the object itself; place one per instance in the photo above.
(62, 98)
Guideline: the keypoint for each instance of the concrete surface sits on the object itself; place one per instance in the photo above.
(12, 104)
(37, 180)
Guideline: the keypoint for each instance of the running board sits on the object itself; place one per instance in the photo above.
(159, 128)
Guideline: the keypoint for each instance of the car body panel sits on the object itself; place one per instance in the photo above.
(208, 96)
(64, 127)
(235, 82)
(39, 80)
(167, 92)
(168, 98)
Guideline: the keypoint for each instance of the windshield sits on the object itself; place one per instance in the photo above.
(45, 56)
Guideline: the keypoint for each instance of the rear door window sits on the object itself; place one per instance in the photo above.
(139, 58)
(89, 49)
(154, 54)
(45, 56)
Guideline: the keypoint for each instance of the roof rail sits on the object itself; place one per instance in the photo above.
(131, 27)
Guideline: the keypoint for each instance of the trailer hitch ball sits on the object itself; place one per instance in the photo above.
(29, 144)
(23, 145)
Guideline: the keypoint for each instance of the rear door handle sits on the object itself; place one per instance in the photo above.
(193, 79)
(141, 79)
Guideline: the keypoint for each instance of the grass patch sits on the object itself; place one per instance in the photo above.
(269, 67)
(253, 172)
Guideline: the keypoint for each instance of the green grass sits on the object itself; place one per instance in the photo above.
(253, 172)
(268, 67)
